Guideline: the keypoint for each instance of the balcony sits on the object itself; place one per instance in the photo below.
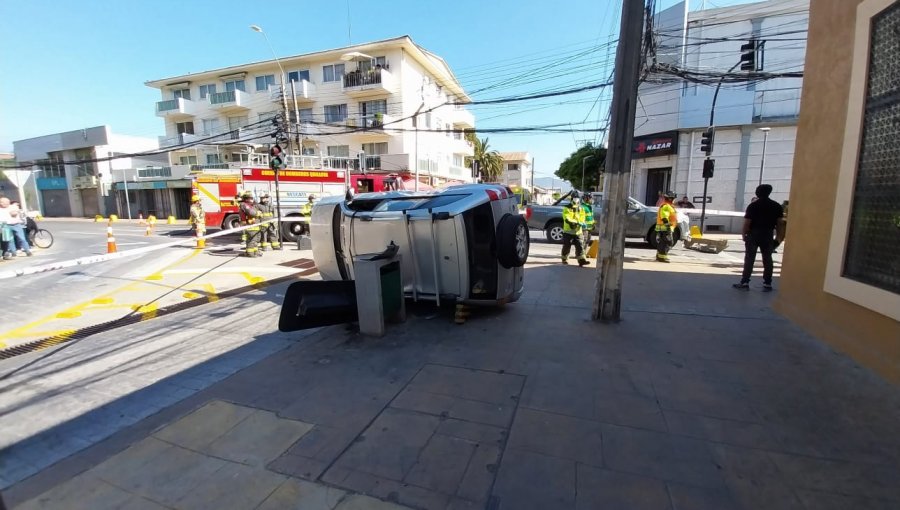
(370, 82)
(180, 139)
(462, 118)
(176, 108)
(303, 91)
(231, 100)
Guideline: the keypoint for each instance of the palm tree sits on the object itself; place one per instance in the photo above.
(490, 164)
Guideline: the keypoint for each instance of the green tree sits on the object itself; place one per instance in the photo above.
(490, 164)
(570, 169)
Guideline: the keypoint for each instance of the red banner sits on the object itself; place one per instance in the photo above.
(290, 175)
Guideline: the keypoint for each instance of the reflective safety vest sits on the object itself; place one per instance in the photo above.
(588, 214)
(306, 209)
(572, 220)
(666, 219)
(266, 211)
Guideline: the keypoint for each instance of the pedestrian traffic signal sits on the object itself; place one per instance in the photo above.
(276, 158)
(707, 139)
(709, 167)
(750, 56)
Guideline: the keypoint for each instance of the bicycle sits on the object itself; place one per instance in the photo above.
(39, 237)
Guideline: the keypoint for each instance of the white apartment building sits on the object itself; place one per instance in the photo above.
(750, 118)
(516, 170)
(391, 100)
(63, 171)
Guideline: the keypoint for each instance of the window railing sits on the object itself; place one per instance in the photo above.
(362, 78)
(165, 171)
(228, 96)
(168, 105)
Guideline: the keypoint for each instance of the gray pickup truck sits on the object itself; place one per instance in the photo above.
(641, 219)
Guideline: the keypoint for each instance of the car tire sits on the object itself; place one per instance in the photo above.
(513, 241)
(232, 221)
(554, 232)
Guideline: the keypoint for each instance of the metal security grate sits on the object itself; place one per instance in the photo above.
(873, 245)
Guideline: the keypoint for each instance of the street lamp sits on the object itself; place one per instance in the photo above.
(257, 28)
(762, 162)
(582, 170)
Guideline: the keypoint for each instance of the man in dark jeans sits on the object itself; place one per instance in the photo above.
(760, 222)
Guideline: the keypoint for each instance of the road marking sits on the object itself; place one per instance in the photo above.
(132, 244)
(25, 329)
(211, 292)
(231, 270)
(254, 280)
(68, 314)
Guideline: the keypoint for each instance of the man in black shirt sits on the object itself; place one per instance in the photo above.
(760, 222)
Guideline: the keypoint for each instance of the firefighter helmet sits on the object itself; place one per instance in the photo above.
(195, 198)
(670, 195)
(246, 195)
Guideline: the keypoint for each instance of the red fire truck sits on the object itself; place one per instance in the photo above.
(218, 190)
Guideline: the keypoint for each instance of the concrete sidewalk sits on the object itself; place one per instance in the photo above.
(701, 398)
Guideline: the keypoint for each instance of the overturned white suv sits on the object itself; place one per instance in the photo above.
(463, 244)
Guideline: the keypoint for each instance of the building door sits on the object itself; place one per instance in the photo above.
(55, 202)
(90, 202)
(658, 180)
(182, 203)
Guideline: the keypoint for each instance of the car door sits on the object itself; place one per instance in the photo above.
(634, 222)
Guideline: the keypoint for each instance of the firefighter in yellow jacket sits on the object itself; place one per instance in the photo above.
(250, 215)
(268, 236)
(573, 225)
(198, 220)
(666, 219)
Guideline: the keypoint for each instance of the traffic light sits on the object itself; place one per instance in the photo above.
(276, 157)
(709, 166)
(707, 139)
(750, 56)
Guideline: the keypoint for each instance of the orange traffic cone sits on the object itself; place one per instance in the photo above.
(110, 240)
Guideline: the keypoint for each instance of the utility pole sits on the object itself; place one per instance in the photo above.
(608, 293)
(532, 178)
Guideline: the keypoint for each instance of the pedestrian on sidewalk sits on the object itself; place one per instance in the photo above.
(6, 235)
(666, 219)
(573, 221)
(762, 217)
(15, 221)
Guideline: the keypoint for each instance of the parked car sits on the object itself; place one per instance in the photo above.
(641, 219)
(463, 243)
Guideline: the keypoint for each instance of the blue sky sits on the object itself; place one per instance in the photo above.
(70, 65)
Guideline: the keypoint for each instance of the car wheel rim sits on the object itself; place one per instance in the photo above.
(556, 233)
(521, 242)
(295, 228)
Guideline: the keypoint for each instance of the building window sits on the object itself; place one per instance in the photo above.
(332, 72)
(298, 75)
(306, 115)
(53, 166)
(873, 238)
(335, 113)
(206, 90)
(263, 82)
(212, 159)
(377, 61)
(235, 85)
(375, 149)
(339, 151)
(187, 160)
(210, 126)
(184, 128)
(84, 166)
(181, 93)
(373, 107)
(458, 160)
(512, 167)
